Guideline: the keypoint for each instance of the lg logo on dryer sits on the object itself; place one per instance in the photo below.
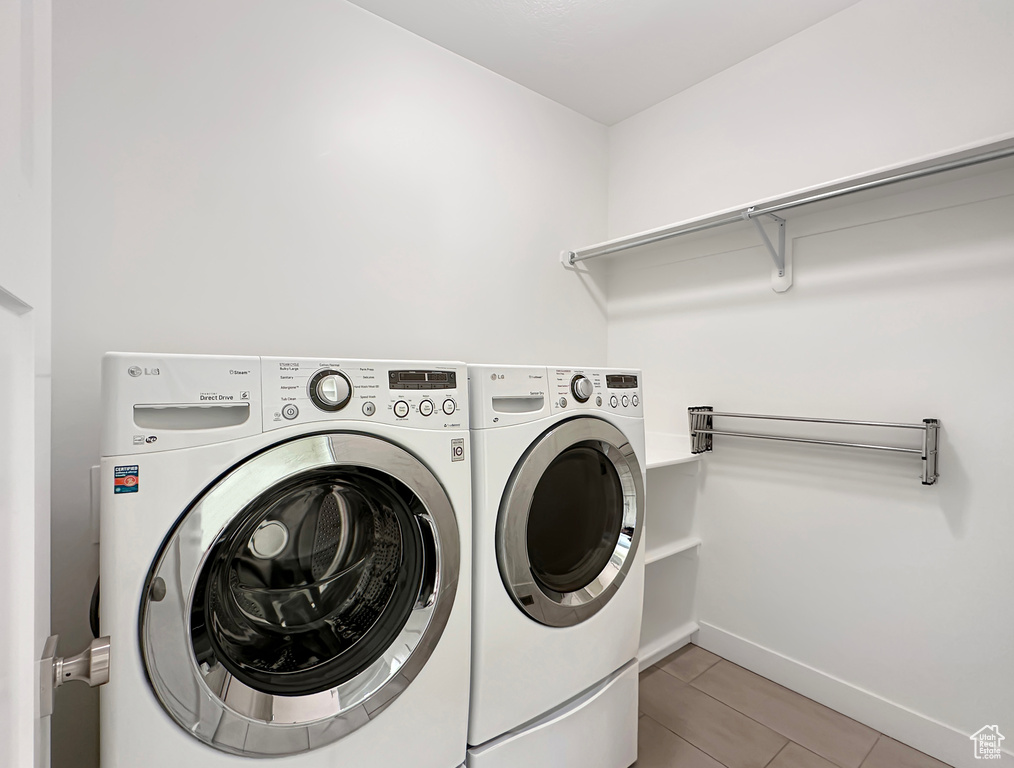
(136, 370)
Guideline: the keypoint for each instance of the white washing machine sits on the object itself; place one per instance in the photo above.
(284, 562)
(558, 577)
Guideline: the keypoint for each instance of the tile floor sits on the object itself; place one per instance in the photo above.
(700, 711)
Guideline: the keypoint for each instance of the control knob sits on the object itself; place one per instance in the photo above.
(582, 388)
(330, 390)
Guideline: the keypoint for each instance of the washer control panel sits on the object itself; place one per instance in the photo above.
(602, 389)
(422, 395)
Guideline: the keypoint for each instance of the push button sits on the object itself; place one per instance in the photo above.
(289, 411)
(613, 401)
(369, 408)
(426, 407)
(449, 406)
(634, 400)
(401, 409)
(626, 401)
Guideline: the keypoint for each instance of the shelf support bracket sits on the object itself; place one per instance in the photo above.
(781, 276)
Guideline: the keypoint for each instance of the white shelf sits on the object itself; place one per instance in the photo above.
(670, 582)
(672, 548)
(664, 449)
(661, 647)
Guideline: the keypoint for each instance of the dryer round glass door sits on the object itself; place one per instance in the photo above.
(570, 521)
(300, 594)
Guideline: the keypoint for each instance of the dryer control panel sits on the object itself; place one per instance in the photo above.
(502, 395)
(613, 390)
(422, 395)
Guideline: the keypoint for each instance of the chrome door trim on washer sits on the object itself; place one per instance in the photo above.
(213, 705)
(564, 609)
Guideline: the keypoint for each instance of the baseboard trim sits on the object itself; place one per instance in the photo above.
(917, 730)
(658, 649)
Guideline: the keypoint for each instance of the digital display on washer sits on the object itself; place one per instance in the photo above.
(621, 381)
(422, 379)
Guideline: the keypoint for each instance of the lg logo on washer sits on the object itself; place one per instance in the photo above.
(136, 370)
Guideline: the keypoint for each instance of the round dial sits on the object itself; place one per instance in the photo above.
(582, 388)
(330, 390)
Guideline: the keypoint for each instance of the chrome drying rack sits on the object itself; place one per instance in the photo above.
(702, 428)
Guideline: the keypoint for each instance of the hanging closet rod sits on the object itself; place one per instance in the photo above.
(702, 429)
(782, 204)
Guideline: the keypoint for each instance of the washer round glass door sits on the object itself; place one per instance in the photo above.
(570, 521)
(300, 594)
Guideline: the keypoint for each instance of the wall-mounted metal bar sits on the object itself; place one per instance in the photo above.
(810, 440)
(892, 424)
(919, 171)
(702, 428)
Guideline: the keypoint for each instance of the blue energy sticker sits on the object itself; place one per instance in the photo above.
(125, 479)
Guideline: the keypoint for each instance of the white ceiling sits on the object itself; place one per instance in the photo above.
(607, 59)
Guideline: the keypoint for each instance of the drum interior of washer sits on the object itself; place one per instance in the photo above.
(312, 581)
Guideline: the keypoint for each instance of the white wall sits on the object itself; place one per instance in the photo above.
(256, 177)
(833, 571)
(878, 84)
(839, 560)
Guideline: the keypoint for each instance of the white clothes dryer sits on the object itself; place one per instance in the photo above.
(285, 562)
(558, 566)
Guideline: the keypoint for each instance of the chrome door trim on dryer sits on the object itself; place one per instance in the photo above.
(532, 595)
(211, 702)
